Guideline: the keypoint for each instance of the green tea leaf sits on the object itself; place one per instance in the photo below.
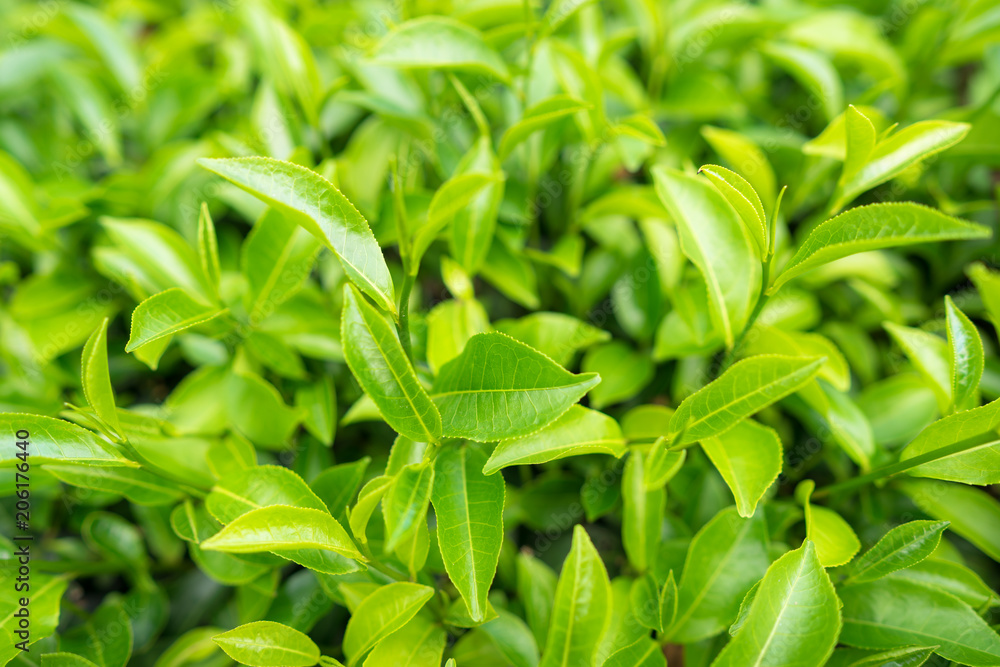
(260, 486)
(473, 227)
(536, 587)
(713, 237)
(581, 611)
(579, 431)
(963, 447)
(375, 355)
(892, 155)
(97, 379)
(642, 516)
(524, 391)
(972, 513)
(643, 653)
(469, 509)
(165, 314)
(455, 195)
(268, 644)
(419, 643)
(745, 388)
(749, 457)
(538, 117)
(435, 42)
(405, 502)
(337, 485)
(900, 548)
(139, 486)
(742, 197)
(888, 613)
(380, 614)
(310, 200)
(794, 618)
(56, 441)
(276, 259)
(966, 355)
(930, 355)
(712, 585)
(283, 528)
(873, 227)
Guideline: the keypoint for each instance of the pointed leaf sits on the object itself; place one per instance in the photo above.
(165, 314)
(310, 200)
(967, 358)
(537, 117)
(97, 379)
(726, 558)
(500, 388)
(794, 618)
(900, 548)
(963, 447)
(873, 227)
(748, 456)
(582, 607)
(744, 389)
(579, 431)
(56, 441)
(891, 156)
(268, 644)
(712, 236)
(888, 613)
(469, 509)
(436, 42)
(380, 614)
(375, 356)
(260, 486)
(642, 516)
(281, 528)
(405, 502)
(742, 197)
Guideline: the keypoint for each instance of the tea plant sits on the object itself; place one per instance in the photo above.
(499, 333)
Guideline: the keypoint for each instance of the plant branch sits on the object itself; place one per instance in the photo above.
(898, 467)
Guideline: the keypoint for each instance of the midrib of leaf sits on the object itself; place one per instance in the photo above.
(140, 483)
(572, 615)
(679, 622)
(189, 512)
(459, 392)
(227, 492)
(420, 643)
(793, 582)
(467, 525)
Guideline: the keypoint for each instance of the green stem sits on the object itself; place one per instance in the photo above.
(762, 299)
(403, 326)
(902, 466)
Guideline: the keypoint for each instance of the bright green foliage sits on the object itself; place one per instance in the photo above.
(268, 644)
(559, 333)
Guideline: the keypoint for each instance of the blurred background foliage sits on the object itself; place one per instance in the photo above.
(104, 108)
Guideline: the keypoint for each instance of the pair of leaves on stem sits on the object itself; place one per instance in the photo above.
(496, 388)
(713, 224)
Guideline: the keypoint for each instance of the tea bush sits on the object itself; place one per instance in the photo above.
(499, 332)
